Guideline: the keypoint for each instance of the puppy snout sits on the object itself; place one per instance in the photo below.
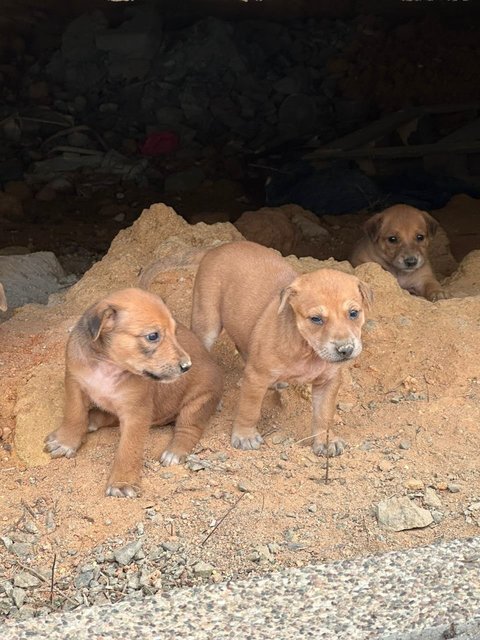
(184, 365)
(344, 349)
(410, 261)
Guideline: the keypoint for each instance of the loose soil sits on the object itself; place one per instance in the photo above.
(409, 410)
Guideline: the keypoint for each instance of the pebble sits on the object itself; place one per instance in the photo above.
(413, 484)
(453, 488)
(21, 549)
(431, 499)
(405, 445)
(346, 407)
(172, 547)
(385, 465)
(401, 513)
(203, 569)
(25, 580)
(312, 508)
(367, 446)
(18, 596)
(167, 475)
(126, 554)
(245, 486)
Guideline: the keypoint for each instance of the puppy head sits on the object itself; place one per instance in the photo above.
(135, 330)
(401, 235)
(329, 308)
(3, 299)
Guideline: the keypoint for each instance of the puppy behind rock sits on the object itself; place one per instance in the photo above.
(398, 239)
(129, 363)
(287, 328)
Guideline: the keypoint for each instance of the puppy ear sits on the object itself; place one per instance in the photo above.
(101, 319)
(366, 292)
(432, 224)
(3, 299)
(285, 295)
(373, 225)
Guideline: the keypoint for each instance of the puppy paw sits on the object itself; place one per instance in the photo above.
(335, 448)
(92, 427)
(169, 458)
(58, 449)
(247, 443)
(438, 295)
(122, 490)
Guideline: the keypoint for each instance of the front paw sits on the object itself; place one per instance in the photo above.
(122, 490)
(439, 294)
(169, 458)
(335, 447)
(58, 448)
(247, 443)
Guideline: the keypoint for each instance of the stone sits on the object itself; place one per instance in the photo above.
(245, 486)
(453, 488)
(401, 514)
(18, 596)
(413, 484)
(126, 554)
(431, 499)
(30, 278)
(84, 579)
(405, 445)
(25, 580)
(346, 407)
(203, 569)
(21, 549)
(385, 465)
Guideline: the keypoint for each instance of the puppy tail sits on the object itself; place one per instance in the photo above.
(188, 259)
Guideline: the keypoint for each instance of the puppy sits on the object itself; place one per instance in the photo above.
(128, 362)
(287, 328)
(3, 299)
(398, 239)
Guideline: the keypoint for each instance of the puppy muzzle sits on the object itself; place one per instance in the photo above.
(340, 351)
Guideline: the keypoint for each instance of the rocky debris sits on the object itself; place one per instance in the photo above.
(125, 554)
(401, 514)
(203, 569)
(30, 278)
(431, 499)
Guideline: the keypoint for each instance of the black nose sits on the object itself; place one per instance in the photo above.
(411, 261)
(184, 365)
(345, 350)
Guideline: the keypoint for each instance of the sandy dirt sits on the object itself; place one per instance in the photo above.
(409, 410)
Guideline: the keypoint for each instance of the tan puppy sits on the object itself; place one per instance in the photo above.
(398, 239)
(3, 299)
(287, 328)
(128, 362)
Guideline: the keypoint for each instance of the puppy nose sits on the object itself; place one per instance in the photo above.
(410, 261)
(184, 365)
(345, 349)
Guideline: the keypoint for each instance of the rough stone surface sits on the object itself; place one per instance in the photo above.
(399, 514)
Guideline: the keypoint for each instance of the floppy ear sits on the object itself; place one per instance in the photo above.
(285, 295)
(3, 299)
(367, 294)
(373, 225)
(100, 320)
(432, 224)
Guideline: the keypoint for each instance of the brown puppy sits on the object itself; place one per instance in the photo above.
(398, 239)
(128, 362)
(286, 327)
(3, 299)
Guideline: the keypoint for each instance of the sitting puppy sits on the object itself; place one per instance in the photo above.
(287, 328)
(128, 362)
(398, 239)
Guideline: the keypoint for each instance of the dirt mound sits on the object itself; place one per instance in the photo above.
(409, 410)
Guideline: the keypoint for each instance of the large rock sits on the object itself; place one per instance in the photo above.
(401, 513)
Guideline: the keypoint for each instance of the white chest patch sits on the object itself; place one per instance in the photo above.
(101, 385)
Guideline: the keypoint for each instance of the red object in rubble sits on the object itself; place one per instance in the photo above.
(160, 143)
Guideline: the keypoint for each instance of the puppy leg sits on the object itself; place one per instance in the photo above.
(426, 285)
(68, 438)
(206, 322)
(124, 478)
(98, 419)
(324, 398)
(189, 426)
(254, 387)
(432, 290)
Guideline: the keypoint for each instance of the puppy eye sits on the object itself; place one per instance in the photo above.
(392, 239)
(353, 314)
(153, 337)
(420, 237)
(316, 320)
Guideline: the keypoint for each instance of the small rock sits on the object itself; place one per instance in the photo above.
(167, 475)
(441, 486)
(413, 484)
(84, 579)
(18, 596)
(246, 486)
(50, 521)
(194, 463)
(203, 569)
(172, 547)
(367, 446)
(279, 438)
(264, 553)
(385, 465)
(21, 549)
(405, 445)
(396, 398)
(401, 514)
(125, 554)
(312, 508)
(346, 407)
(120, 217)
(453, 488)
(431, 499)
(25, 580)
(437, 516)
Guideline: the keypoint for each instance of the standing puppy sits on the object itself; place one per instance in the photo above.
(128, 362)
(398, 239)
(286, 327)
